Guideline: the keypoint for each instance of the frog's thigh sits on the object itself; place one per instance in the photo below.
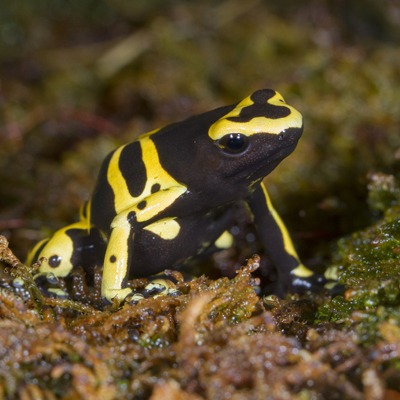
(170, 241)
(162, 244)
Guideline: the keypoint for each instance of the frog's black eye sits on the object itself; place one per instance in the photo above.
(234, 143)
(54, 261)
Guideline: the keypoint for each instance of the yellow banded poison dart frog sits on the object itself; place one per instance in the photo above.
(169, 195)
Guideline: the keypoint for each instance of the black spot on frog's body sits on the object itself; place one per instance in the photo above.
(155, 188)
(142, 205)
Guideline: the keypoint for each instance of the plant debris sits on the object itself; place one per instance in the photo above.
(215, 340)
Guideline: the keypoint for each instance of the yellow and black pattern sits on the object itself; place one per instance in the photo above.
(171, 195)
(263, 112)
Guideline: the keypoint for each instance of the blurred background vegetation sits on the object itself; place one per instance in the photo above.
(78, 78)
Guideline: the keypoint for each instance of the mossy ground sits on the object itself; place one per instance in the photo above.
(80, 76)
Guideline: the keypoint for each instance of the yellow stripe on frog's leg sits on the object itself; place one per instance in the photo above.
(292, 274)
(116, 262)
(301, 270)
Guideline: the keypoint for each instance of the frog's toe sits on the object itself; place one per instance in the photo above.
(161, 287)
(49, 284)
(134, 298)
(117, 294)
(18, 283)
(316, 283)
(297, 284)
(52, 279)
(313, 283)
(334, 288)
(57, 293)
(46, 278)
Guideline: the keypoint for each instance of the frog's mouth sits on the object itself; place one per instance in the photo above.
(280, 147)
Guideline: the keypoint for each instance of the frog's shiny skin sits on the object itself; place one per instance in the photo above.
(168, 196)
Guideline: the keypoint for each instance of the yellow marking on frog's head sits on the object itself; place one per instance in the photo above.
(265, 111)
(35, 252)
(58, 251)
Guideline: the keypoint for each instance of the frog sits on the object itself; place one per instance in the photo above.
(170, 196)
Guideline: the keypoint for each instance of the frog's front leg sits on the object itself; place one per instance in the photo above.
(117, 259)
(292, 274)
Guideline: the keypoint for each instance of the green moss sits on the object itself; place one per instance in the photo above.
(368, 264)
(336, 310)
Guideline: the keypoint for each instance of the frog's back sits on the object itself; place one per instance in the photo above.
(102, 202)
(156, 161)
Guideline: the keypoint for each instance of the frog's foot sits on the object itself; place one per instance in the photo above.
(47, 278)
(161, 287)
(313, 283)
(297, 280)
(49, 285)
(57, 292)
(332, 285)
(134, 298)
(18, 283)
(121, 295)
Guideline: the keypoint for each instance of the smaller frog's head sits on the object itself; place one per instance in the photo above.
(66, 248)
(57, 253)
(256, 135)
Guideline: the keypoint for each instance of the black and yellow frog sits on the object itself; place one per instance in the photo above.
(170, 195)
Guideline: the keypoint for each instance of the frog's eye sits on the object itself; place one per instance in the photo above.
(234, 143)
(54, 261)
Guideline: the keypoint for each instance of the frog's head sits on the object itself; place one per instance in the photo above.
(66, 248)
(256, 135)
(55, 255)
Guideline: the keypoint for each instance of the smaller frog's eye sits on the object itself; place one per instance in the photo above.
(54, 261)
(234, 143)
